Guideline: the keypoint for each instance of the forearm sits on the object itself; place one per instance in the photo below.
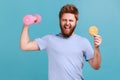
(97, 57)
(24, 39)
(96, 60)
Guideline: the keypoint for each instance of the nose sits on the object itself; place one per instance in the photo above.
(67, 22)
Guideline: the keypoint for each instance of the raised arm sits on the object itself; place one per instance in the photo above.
(95, 62)
(25, 43)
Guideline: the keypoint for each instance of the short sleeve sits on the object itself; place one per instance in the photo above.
(88, 50)
(42, 42)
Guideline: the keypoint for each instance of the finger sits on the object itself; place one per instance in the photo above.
(97, 42)
(97, 36)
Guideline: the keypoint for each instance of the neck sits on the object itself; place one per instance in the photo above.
(67, 36)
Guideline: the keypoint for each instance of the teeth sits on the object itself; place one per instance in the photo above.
(67, 27)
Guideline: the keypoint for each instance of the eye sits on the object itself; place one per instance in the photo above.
(64, 20)
(71, 20)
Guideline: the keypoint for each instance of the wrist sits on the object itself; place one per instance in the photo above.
(26, 25)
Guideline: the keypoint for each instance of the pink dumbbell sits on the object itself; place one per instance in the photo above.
(31, 19)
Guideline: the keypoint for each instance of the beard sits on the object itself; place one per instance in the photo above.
(69, 33)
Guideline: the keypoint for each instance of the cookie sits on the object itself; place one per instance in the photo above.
(93, 30)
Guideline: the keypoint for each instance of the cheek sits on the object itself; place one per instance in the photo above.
(62, 24)
(73, 24)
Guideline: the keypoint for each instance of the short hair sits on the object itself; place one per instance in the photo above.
(69, 8)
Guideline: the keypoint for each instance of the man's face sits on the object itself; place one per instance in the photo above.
(67, 24)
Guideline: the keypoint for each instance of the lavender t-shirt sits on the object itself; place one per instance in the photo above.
(65, 55)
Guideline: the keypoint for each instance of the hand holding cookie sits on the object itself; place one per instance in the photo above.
(93, 31)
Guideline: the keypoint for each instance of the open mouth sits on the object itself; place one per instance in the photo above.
(67, 28)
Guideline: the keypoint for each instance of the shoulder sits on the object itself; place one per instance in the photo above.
(83, 41)
(81, 38)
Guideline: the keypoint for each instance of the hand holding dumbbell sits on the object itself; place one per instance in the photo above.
(32, 19)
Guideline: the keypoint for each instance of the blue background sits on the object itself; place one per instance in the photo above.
(16, 64)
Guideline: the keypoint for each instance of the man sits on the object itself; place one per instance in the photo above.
(66, 50)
